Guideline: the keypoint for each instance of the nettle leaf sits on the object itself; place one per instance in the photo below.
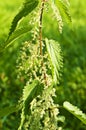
(54, 51)
(61, 11)
(57, 15)
(9, 110)
(15, 35)
(64, 9)
(30, 92)
(75, 111)
(66, 2)
(27, 7)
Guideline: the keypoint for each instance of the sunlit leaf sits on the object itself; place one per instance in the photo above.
(19, 32)
(54, 51)
(64, 10)
(30, 92)
(26, 8)
(75, 111)
(57, 15)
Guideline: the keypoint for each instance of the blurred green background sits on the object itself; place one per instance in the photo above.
(72, 86)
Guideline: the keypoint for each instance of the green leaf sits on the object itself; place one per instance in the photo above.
(64, 10)
(75, 111)
(19, 32)
(8, 110)
(61, 12)
(15, 35)
(57, 15)
(27, 8)
(30, 92)
(54, 51)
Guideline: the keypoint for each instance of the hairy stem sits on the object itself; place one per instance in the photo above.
(40, 38)
(40, 26)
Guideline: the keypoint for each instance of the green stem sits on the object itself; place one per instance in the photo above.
(40, 26)
(40, 38)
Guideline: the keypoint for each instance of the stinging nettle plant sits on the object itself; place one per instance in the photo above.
(39, 63)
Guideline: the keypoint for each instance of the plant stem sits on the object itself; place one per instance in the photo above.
(40, 38)
(40, 26)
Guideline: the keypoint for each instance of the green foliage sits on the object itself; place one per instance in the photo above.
(30, 91)
(64, 9)
(40, 70)
(8, 110)
(36, 97)
(75, 111)
(27, 7)
(40, 110)
(61, 11)
(57, 15)
(54, 51)
(44, 112)
(16, 34)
